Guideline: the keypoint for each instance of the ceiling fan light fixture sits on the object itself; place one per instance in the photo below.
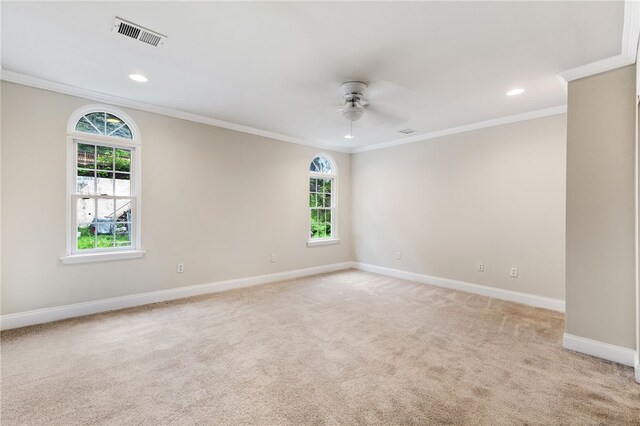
(353, 113)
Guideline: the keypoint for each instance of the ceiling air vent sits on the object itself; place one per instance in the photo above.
(129, 29)
(406, 131)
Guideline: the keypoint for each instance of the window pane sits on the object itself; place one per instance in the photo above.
(104, 183)
(327, 186)
(85, 210)
(123, 184)
(123, 132)
(86, 156)
(327, 216)
(320, 230)
(105, 210)
(104, 158)
(320, 215)
(321, 165)
(314, 165)
(123, 234)
(312, 185)
(98, 120)
(312, 200)
(117, 128)
(314, 220)
(327, 200)
(83, 125)
(320, 200)
(105, 240)
(86, 239)
(86, 182)
(328, 230)
(123, 160)
(123, 210)
(319, 183)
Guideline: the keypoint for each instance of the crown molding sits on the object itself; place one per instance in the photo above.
(628, 49)
(27, 80)
(631, 29)
(597, 67)
(40, 83)
(561, 109)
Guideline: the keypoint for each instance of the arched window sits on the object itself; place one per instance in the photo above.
(104, 185)
(322, 199)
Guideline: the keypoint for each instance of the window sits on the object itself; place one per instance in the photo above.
(104, 186)
(322, 200)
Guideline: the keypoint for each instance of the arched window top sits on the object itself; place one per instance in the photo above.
(322, 164)
(103, 123)
(103, 120)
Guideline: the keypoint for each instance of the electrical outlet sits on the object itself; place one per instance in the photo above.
(480, 266)
(398, 255)
(514, 273)
(273, 257)
(180, 268)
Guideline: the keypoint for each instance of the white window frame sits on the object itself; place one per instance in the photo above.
(334, 239)
(73, 255)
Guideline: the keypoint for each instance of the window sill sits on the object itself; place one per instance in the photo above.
(323, 242)
(101, 257)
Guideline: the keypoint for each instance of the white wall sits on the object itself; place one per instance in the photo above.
(217, 200)
(600, 207)
(495, 195)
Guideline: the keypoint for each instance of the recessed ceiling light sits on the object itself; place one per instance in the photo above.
(348, 136)
(515, 92)
(138, 77)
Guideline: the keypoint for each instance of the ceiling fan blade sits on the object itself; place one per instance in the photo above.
(384, 116)
(381, 92)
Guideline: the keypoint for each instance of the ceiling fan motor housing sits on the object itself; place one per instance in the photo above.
(350, 89)
(355, 103)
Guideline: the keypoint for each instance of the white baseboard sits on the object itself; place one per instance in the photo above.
(638, 373)
(599, 349)
(40, 316)
(497, 293)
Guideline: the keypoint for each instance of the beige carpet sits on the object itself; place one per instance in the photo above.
(342, 348)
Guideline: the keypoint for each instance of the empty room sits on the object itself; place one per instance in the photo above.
(319, 213)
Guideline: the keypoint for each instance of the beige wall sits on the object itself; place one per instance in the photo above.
(217, 200)
(600, 207)
(495, 195)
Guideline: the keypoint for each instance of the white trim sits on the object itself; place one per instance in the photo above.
(323, 242)
(628, 48)
(637, 372)
(39, 83)
(40, 316)
(101, 257)
(496, 293)
(597, 67)
(335, 236)
(629, 45)
(631, 28)
(619, 354)
(27, 80)
(135, 146)
(561, 109)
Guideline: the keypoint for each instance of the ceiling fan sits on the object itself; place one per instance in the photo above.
(356, 104)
